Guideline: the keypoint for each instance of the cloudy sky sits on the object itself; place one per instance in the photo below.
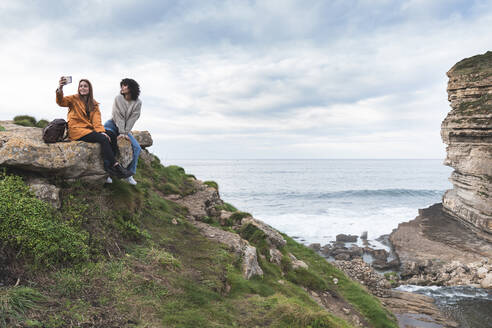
(251, 79)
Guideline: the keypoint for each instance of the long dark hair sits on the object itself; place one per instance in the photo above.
(89, 102)
(133, 86)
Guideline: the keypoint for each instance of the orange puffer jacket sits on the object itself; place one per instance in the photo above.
(79, 124)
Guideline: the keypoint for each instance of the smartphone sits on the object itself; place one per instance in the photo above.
(68, 79)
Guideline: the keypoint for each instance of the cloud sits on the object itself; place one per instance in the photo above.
(281, 75)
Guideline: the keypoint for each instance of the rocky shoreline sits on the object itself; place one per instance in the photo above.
(431, 250)
(435, 249)
(448, 244)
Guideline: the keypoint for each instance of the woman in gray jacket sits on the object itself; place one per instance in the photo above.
(126, 111)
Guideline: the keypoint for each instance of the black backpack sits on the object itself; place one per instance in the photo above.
(55, 131)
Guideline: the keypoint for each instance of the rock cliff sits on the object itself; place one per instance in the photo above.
(433, 248)
(467, 131)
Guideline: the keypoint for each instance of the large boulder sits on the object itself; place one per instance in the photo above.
(23, 148)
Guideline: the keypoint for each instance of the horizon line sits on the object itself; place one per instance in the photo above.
(295, 159)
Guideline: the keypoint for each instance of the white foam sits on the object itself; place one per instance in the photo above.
(323, 228)
(459, 292)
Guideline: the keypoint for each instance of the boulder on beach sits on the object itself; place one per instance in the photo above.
(347, 238)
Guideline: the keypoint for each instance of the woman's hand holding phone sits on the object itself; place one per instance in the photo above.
(61, 83)
(64, 80)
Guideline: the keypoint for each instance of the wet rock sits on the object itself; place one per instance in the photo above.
(346, 238)
(379, 264)
(342, 257)
(364, 235)
(315, 246)
(378, 254)
(415, 310)
(409, 269)
(326, 250)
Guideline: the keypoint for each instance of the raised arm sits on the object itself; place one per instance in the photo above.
(60, 100)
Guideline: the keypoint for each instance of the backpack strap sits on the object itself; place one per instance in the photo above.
(65, 136)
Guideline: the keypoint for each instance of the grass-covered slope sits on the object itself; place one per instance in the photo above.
(123, 256)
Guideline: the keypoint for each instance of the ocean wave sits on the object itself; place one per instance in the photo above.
(347, 194)
(382, 193)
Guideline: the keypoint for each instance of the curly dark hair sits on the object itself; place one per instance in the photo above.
(133, 86)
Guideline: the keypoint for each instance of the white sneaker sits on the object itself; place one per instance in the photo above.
(131, 180)
(109, 180)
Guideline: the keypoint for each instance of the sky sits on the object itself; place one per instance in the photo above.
(251, 79)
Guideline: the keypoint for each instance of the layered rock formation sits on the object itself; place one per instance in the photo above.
(433, 248)
(467, 131)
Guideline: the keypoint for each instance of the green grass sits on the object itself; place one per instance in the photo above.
(480, 64)
(226, 207)
(145, 265)
(26, 120)
(212, 184)
(42, 123)
(2, 128)
(34, 229)
(236, 218)
(15, 302)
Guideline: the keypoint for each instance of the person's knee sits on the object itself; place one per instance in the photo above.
(103, 140)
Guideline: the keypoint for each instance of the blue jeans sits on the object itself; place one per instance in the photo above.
(109, 125)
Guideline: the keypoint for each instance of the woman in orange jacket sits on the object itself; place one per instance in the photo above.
(84, 124)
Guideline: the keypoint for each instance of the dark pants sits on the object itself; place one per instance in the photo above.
(107, 149)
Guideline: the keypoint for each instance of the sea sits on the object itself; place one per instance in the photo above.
(314, 200)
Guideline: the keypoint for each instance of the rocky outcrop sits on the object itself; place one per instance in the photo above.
(23, 148)
(435, 250)
(411, 310)
(414, 310)
(200, 204)
(272, 236)
(203, 206)
(250, 266)
(467, 131)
